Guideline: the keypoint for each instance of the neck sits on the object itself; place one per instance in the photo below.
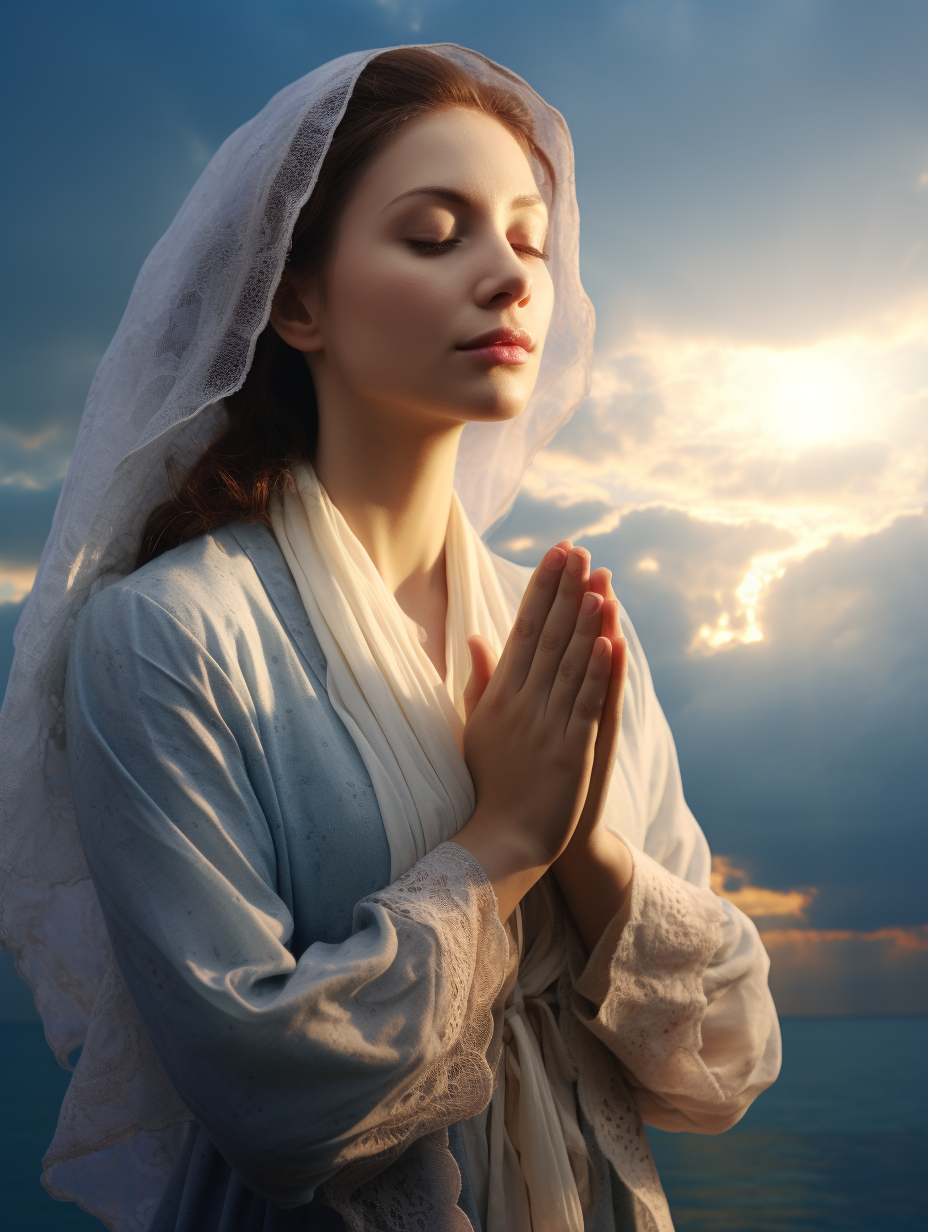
(394, 493)
(392, 484)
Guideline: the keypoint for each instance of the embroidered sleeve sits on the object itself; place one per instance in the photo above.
(679, 995)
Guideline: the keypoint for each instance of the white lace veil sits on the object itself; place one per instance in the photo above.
(185, 342)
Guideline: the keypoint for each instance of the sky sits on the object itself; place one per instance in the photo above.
(752, 461)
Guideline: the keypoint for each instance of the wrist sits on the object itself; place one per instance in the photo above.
(599, 850)
(511, 861)
(495, 843)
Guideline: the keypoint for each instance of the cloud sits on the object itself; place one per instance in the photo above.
(823, 971)
(682, 574)
(759, 902)
(819, 438)
(25, 519)
(840, 971)
(904, 938)
(819, 471)
(802, 750)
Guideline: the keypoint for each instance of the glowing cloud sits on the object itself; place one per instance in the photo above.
(757, 901)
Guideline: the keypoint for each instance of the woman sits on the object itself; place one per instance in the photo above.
(334, 858)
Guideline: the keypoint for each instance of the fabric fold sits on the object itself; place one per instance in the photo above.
(408, 726)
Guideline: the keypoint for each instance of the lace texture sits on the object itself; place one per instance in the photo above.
(635, 1008)
(385, 1183)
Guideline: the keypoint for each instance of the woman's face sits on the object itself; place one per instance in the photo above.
(440, 244)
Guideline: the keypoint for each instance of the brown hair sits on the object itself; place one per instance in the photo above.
(273, 417)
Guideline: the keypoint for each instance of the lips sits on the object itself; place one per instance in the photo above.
(500, 338)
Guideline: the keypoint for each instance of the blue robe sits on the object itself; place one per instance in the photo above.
(197, 709)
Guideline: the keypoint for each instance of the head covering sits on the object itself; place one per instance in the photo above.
(186, 342)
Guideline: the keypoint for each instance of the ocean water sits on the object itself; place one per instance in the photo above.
(839, 1143)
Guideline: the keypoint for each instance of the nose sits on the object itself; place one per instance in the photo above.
(507, 279)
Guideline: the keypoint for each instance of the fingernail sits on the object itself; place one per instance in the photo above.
(590, 603)
(576, 561)
(600, 647)
(555, 558)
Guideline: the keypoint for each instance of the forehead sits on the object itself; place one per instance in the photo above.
(460, 149)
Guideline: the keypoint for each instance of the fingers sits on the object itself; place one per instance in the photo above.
(533, 611)
(607, 739)
(573, 665)
(483, 663)
(559, 625)
(601, 582)
(587, 711)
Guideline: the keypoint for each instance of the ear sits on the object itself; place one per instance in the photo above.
(294, 315)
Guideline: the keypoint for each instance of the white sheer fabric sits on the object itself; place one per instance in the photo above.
(186, 342)
(408, 727)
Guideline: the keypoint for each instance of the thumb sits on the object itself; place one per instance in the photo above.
(483, 663)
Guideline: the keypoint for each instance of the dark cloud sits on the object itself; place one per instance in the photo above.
(699, 564)
(9, 614)
(545, 523)
(25, 520)
(803, 755)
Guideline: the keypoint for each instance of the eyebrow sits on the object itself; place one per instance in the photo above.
(462, 198)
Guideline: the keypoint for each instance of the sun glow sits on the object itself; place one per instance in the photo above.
(794, 444)
(818, 398)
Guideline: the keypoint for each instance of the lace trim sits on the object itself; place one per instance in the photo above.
(649, 982)
(400, 1173)
(636, 1005)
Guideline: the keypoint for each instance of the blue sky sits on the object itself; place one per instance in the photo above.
(753, 459)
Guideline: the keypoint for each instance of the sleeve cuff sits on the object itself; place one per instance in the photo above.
(641, 990)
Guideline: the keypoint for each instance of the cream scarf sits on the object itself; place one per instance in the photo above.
(408, 726)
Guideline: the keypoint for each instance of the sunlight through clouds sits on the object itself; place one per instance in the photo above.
(824, 439)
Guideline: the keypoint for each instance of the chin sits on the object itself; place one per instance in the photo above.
(496, 406)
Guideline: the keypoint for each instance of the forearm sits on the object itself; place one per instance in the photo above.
(595, 878)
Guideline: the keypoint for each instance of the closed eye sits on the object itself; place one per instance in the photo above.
(446, 245)
(433, 245)
(532, 252)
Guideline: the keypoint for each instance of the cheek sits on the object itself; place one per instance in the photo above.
(386, 304)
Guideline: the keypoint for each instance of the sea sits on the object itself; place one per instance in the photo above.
(840, 1142)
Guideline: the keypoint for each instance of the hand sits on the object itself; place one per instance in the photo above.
(532, 723)
(607, 739)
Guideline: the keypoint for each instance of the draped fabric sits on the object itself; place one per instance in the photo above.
(408, 726)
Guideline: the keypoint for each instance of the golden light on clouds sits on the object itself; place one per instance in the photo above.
(817, 440)
(15, 582)
(915, 938)
(758, 901)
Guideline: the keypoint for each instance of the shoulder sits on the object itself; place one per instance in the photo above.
(203, 591)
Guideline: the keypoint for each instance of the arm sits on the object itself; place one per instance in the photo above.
(675, 982)
(294, 1066)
